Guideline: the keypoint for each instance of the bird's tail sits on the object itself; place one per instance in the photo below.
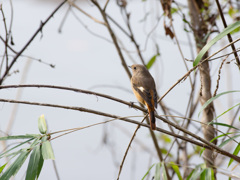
(152, 119)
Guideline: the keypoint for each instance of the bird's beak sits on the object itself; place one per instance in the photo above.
(130, 66)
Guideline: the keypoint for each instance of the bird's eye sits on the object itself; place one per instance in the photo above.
(134, 68)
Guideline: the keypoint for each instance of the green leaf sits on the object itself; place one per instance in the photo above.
(165, 138)
(207, 174)
(165, 151)
(213, 98)
(47, 151)
(174, 10)
(228, 140)
(236, 151)
(226, 31)
(2, 167)
(223, 124)
(148, 172)
(40, 163)
(1, 155)
(33, 164)
(28, 136)
(196, 172)
(16, 165)
(232, 11)
(42, 125)
(151, 61)
(176, 169)
(235, 31)
(157, 175)
(164, 171)
(226, 111)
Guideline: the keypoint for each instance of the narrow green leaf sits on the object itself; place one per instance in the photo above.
(213, 98)
(148, 172)
(151, 61)
(2, 167)
(223, 124)
(33, 164)
(226, 111)
(28, 136)
(236, 151)
(42, 125)
(164, 171)
(165, 138)
(226, 31)
(15, 166)
(176, 169)
(207, 174)
(196, 172)
(203, 149)
(228, 140)
(174, 10)
(1, 155)
(40, 163)
(157, 175)
(47, 151)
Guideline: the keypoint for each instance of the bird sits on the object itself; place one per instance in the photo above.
(144, 88)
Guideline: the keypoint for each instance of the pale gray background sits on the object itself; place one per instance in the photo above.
(85, 61)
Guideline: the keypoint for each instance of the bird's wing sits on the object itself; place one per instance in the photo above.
(145, 94)
(155, 98)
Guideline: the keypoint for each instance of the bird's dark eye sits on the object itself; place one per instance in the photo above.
(134, 68)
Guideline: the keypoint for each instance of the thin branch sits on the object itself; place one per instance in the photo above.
(206, 144)
(105, 6)
(8, 45)
(219, 76)
(229, 35)
(55, 169)
(85, 13)
(74, 90)
(191, 70)
(128, 147)
(113, 38)
(31, 39)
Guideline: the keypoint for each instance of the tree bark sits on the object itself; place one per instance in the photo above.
(200, 29)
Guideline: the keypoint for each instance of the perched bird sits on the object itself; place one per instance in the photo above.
(144, 89)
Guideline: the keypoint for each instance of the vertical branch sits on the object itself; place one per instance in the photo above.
(228, 35)
(113, 37)
(200, 30)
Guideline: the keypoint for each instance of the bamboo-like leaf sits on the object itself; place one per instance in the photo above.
(225, 112)
(226, 31)
(176, 169)
(40, 163)
(42, 125)
(207, 174)
(196, 172)
(213, 98)
(2, 167)
(16, 165)
(236, 151)
(164, 171)
(1, 155)
(223, 124)
(228, 140)
(27, 136)
(157, 175)
(148, 172)
(151, 61)
(33, 164)
(47, 151)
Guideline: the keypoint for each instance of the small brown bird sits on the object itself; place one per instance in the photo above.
(144, 89)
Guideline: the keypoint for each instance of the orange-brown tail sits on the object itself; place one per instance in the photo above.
(152, 119)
